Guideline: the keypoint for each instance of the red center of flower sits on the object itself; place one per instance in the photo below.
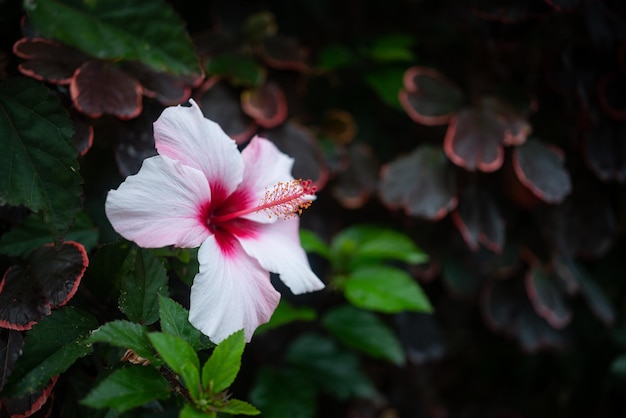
(284, 200)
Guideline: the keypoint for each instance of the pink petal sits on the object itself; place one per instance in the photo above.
(161, 205)
(184, 134)
(231, 292)
(264, 167)
(277, 248)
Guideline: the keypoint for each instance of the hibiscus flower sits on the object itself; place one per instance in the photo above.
(239, 208)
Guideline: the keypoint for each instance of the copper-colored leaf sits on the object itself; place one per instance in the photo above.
(357, 181)
(422, 183)
(135, 140)
(429, 98)
(168, 89)
(507, 310)
(266, 104)
(479, 220)
(284, 53)
(611, 91)
(49, 280)
(31, 403)
(298, 142)
(220, 103)
(540, 167)
(584, 225)
(48, 60)
(476, 136)
(100, 87)
(547, 298)
(580, 281)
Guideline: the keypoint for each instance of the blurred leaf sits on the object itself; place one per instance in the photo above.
(144, 279)
(385, 289)
(540, 167)
(125, 334)
(175, 321)
(298, 142)
(364, 245)
(428, 97)
(241, 70)
(459, 275)
(432, 196)
(479, 220)
(618, 367)
(334, 57)
(237, 407)
(50, 348)
(334, 370)
(284, 394)
(128, 388)
(147, 30)
(47, 60)
(283, 54)
(181, 358)
(266, 104)
(387, 83)
(547, 298)
(476, 136)
(38, 168)
(366, 332)
(101, 87)
(605, 149)
(221, 103)
(586, 284)
(313, 244)
(34, 232)
(391, 48)
(285, 314)
(220, 370)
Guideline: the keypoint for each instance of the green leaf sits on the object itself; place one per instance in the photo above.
(285, 314)
(334, 57)
(144, 30)
(34, 232)
(128, 388)
(181, 358)
(189, 411)
(385, 289)
(387, 83)
(240, 69)
(221, 368)
(332, 369)
(38, 166)
(392, 48)
(51, 346)
(363, 244)
(366, 332)
(284, 394)
(144, 280)
(237, 407)
(313, 244)
(128, 335)
(175, 321)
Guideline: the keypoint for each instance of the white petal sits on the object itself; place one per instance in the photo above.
(184, 134)
(278, 249)
(231, 292)
(161, 205)
(264, 167)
